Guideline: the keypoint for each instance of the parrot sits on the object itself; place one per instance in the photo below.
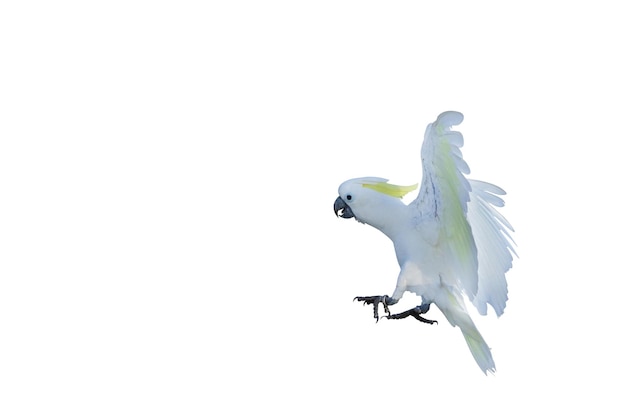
(451, 242)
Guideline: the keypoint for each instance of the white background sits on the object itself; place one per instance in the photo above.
(167, 174)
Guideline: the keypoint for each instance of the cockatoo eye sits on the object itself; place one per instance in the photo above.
(348, 197)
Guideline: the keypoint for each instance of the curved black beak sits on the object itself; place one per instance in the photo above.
(342, 209)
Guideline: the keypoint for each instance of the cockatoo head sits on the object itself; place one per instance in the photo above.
(363, 198)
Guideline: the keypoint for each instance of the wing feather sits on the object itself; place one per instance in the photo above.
(443, 199)
(494, 243)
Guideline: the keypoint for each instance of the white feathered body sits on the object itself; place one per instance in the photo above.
(450, 241)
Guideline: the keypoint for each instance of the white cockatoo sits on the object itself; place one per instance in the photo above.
(450, 241)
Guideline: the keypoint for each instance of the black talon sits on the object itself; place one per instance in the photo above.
(385, 300)
(414, 312)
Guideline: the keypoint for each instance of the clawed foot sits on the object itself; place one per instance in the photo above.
(385, 300)
(414, 312)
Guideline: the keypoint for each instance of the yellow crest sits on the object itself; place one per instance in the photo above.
(392, 190)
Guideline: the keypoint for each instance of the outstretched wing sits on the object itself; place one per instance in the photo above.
(441, 204)
(494, 243)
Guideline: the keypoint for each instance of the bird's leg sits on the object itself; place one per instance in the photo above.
(414, 312)
(385, 300)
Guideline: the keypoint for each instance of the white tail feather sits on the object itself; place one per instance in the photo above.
(452, 306)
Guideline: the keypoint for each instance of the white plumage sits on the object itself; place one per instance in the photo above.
(449, 241)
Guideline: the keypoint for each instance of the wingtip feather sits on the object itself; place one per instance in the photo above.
(450, 118)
